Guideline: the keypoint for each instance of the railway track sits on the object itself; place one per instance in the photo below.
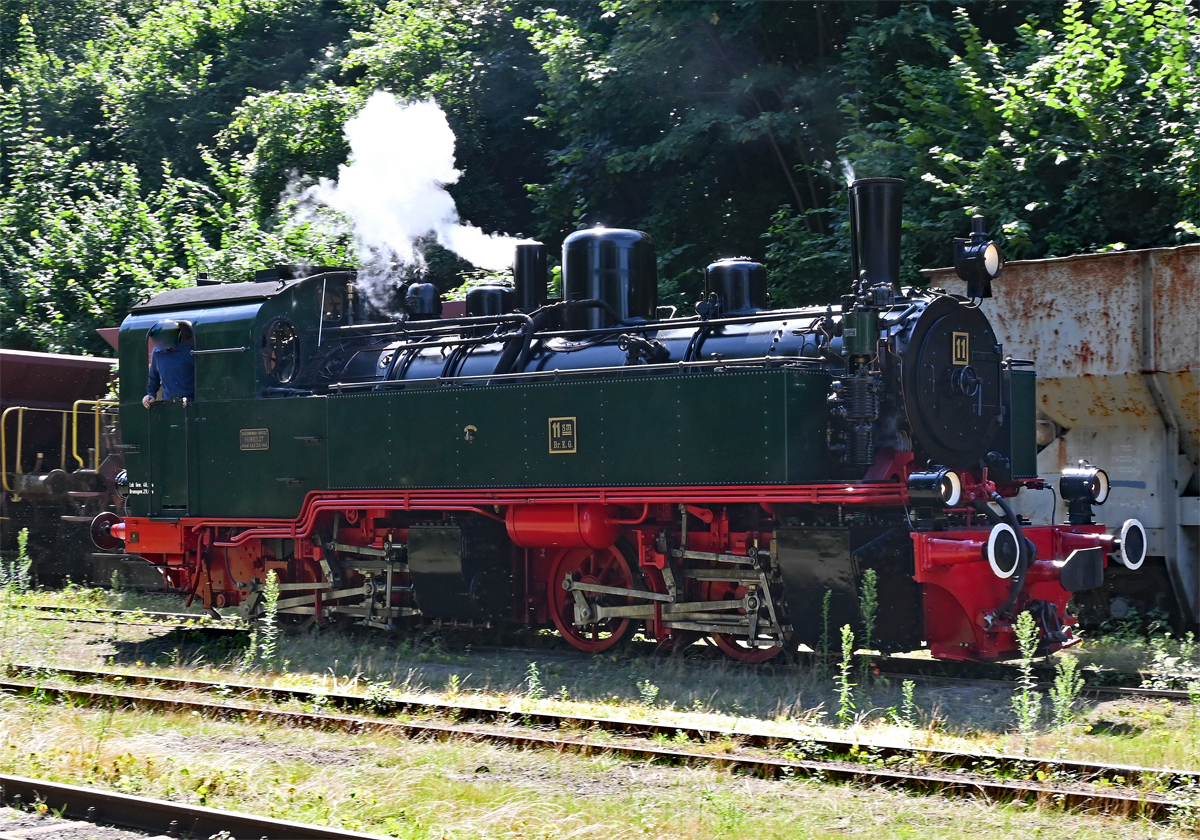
(998, 675)
(1116, 684)
(1113, 789)
(1112, 691)
(136, 618)
(1105, 683)
(156, 816)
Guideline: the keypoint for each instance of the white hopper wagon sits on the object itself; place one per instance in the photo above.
(1115, 339)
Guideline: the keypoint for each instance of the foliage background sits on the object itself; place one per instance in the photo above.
(145, 142)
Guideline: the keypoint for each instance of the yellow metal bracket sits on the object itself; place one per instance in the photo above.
(97, 405)
(21, 409)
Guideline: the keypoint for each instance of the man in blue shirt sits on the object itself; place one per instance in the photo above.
(171, 364)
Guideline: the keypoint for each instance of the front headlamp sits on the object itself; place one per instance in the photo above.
(942, 487)
(1084, 482)
(1081, 487)
(977, 260)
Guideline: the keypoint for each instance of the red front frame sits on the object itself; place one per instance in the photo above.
(962, 593)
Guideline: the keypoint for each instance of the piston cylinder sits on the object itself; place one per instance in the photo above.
(563, 526)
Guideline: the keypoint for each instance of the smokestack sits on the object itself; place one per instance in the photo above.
(529, 276)
(876, 208)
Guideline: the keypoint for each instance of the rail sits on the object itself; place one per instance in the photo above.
(220, 350)
(467, 713)
(1107, 788)
(140, 813)
(96, 406)
(21, 409)
(998, 676)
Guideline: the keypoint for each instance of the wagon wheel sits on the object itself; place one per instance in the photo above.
(604, 566)
(737, 645)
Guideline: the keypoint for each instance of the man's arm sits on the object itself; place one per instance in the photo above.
(153, 381)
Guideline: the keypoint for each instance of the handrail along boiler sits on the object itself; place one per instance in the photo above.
(584, 465)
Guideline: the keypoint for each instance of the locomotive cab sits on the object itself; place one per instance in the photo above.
(251, 341)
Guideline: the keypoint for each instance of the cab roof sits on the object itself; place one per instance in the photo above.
(195, 296)
(268, 283)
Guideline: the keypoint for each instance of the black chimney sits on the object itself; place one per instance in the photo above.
(876, 208)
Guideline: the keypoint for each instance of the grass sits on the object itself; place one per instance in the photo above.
(462, 791)
(73, 595)
(695, 692)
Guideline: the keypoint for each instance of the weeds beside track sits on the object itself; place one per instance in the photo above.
(997, 675)
(1112, 789)
(131, 617)
(994, 675)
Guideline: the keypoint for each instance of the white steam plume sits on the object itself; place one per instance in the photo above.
(847, 171)
(393, 190)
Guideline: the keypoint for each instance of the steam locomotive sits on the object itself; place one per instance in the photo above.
(585, 465)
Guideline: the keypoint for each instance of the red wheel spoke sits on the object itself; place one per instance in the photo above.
(583, 565)
(603, 576)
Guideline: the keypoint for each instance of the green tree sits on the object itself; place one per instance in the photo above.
(184, 66)
(465, 55)
(142, 143)
(1082, 133)
(83, 239)
(693, 121)
(79, 240)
